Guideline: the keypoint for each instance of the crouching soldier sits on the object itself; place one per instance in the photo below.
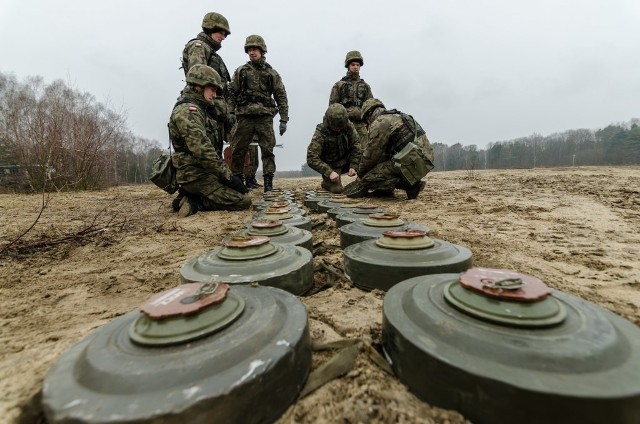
(398, 154)
(206, 182)
(334, 148)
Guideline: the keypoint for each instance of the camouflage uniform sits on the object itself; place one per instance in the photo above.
(200, 170)
(257, 94)
(334, 150)
(351, 92)
(202, 50)
(389, 132)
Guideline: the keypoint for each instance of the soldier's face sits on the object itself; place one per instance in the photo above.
(209, 93)
(254, 53)
(219, 36)
(354, 67)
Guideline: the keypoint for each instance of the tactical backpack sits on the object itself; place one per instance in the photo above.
(407, 158)
(163, 173)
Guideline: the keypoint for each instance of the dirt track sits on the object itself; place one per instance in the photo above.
(575, 228)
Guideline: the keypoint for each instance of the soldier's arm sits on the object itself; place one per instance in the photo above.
(313, 155)
(369, 94)
(280, 95)
(197, 53)
(355, 150)
(192, 126)
(334, 96)
(234, 91)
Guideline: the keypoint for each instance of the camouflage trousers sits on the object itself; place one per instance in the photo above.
(248, 127)
(384, 177)
(216, 196)
(335, 187)
(252, 167)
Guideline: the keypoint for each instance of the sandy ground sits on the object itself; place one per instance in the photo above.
(575, 228)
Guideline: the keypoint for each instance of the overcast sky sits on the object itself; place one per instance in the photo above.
(471, 72)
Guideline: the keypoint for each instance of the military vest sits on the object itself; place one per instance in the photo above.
(407, 133)
(256, 86)
(211, 128)
(335, 148)
(352, 93)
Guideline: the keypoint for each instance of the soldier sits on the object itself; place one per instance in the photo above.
(206, 181)
(351, 92)
(334, 148)
(257, 94)
(398, 154)
(203, 50)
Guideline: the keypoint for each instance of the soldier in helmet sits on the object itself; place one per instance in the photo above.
(206, 181)
(257, 94)
(334, 148)
(351, 92)
(398, 155)
(203, 50)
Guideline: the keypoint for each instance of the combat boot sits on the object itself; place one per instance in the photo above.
(175, 203)
(252, 179)
(188, 206)
(249, 181)
(355, 190)
(414, 190)
(268, 183)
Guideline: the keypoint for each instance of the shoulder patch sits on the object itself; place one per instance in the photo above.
(192, 109)
(198, 44)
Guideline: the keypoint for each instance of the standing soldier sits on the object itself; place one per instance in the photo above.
(334, 148)
(398, 154)
(351, 92)
(257, 94)
(206, 181)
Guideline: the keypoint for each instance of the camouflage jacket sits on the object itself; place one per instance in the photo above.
(329, 150)
(203, 51)
(194, 134)
(351, 92)
(389, 132)
(256, 89)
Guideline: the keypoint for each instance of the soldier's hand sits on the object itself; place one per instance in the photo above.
(352, 172)
(283, 127)
(235, 182)
(334, 176)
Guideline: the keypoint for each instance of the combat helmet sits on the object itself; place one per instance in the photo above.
(204, 75)
(213, 20)
(369, 106)
(255, 41)
(336, 117)
(353, 56)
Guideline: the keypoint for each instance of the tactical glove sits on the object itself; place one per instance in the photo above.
(235, 182)
(283, 127)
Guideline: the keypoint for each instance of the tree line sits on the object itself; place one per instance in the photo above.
(54, 137)
(617, 144)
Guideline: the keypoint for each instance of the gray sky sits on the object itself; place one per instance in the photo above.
(471, 72)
